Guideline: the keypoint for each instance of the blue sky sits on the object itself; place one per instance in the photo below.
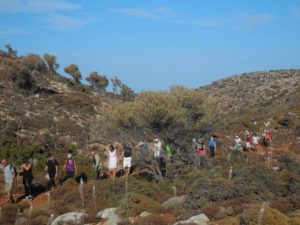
(151, 45)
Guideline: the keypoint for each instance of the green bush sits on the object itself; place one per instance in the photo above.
(15, 153)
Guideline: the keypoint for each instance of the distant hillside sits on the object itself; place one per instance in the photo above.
(40, 106)
(257, 89)
(259, 98)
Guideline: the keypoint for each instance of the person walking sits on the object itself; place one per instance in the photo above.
(238, 144)
(97, 164)
(127, 158)
(112, 161)
(169, 151)
(200, 147)
(70, 168)
(26, 172)
(143, 147)
(212, 147)
(51, 168)
(157, 149)
(255, 141)
(9, 178)
(248, 142)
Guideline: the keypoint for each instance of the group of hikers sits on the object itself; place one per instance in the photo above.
(252, 141)
(159, 154)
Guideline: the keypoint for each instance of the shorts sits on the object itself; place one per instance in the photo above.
(127, 162)
(9, 186)
(248, 145)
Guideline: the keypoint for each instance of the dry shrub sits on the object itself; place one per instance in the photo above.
(38, 220)
(295, 219)
(286, 205)
(270, 217)
(9, 213)
(229, 221)
(66, 197)
(136, 204)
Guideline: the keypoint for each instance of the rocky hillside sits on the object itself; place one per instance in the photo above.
(252, 100)
(42, 107)
(258, 89)
(39, 106)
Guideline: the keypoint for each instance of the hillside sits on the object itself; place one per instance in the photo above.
(258, 98)
(53, 110)
(56, 111)
(255, 90)
(42, 111)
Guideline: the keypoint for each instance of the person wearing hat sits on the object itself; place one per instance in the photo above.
(238, 143)
(70, 168)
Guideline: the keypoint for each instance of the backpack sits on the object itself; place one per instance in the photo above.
(14, 170)
(212, 143)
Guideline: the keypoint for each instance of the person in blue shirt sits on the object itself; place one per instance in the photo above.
(212, 147)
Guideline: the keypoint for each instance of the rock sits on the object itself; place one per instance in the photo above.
(145, 214)
(199, 220)
(68, 218)
(174, 201)
(110, 215)
(275, 168)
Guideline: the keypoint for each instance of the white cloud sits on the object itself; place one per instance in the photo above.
(61, 22)
(36, 6)
(158, 13)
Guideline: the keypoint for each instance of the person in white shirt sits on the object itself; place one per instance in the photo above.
(9, 178)
(238, 143)
(255, 140)
(157, 149)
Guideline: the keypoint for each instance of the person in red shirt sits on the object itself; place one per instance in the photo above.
(248, 141)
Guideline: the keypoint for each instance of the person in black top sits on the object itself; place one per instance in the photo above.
(51, 168)
(26, 172)
(127, 153)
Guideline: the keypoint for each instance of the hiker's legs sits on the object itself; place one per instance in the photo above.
(114, 173)
(51, 181)
(211, 152)
(97, 176)
(70, 174)
(9, 189)
(27, 185)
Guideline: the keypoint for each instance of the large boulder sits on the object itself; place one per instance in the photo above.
(174, 201)
(69, 218)
(198, 220)
(110, 215)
